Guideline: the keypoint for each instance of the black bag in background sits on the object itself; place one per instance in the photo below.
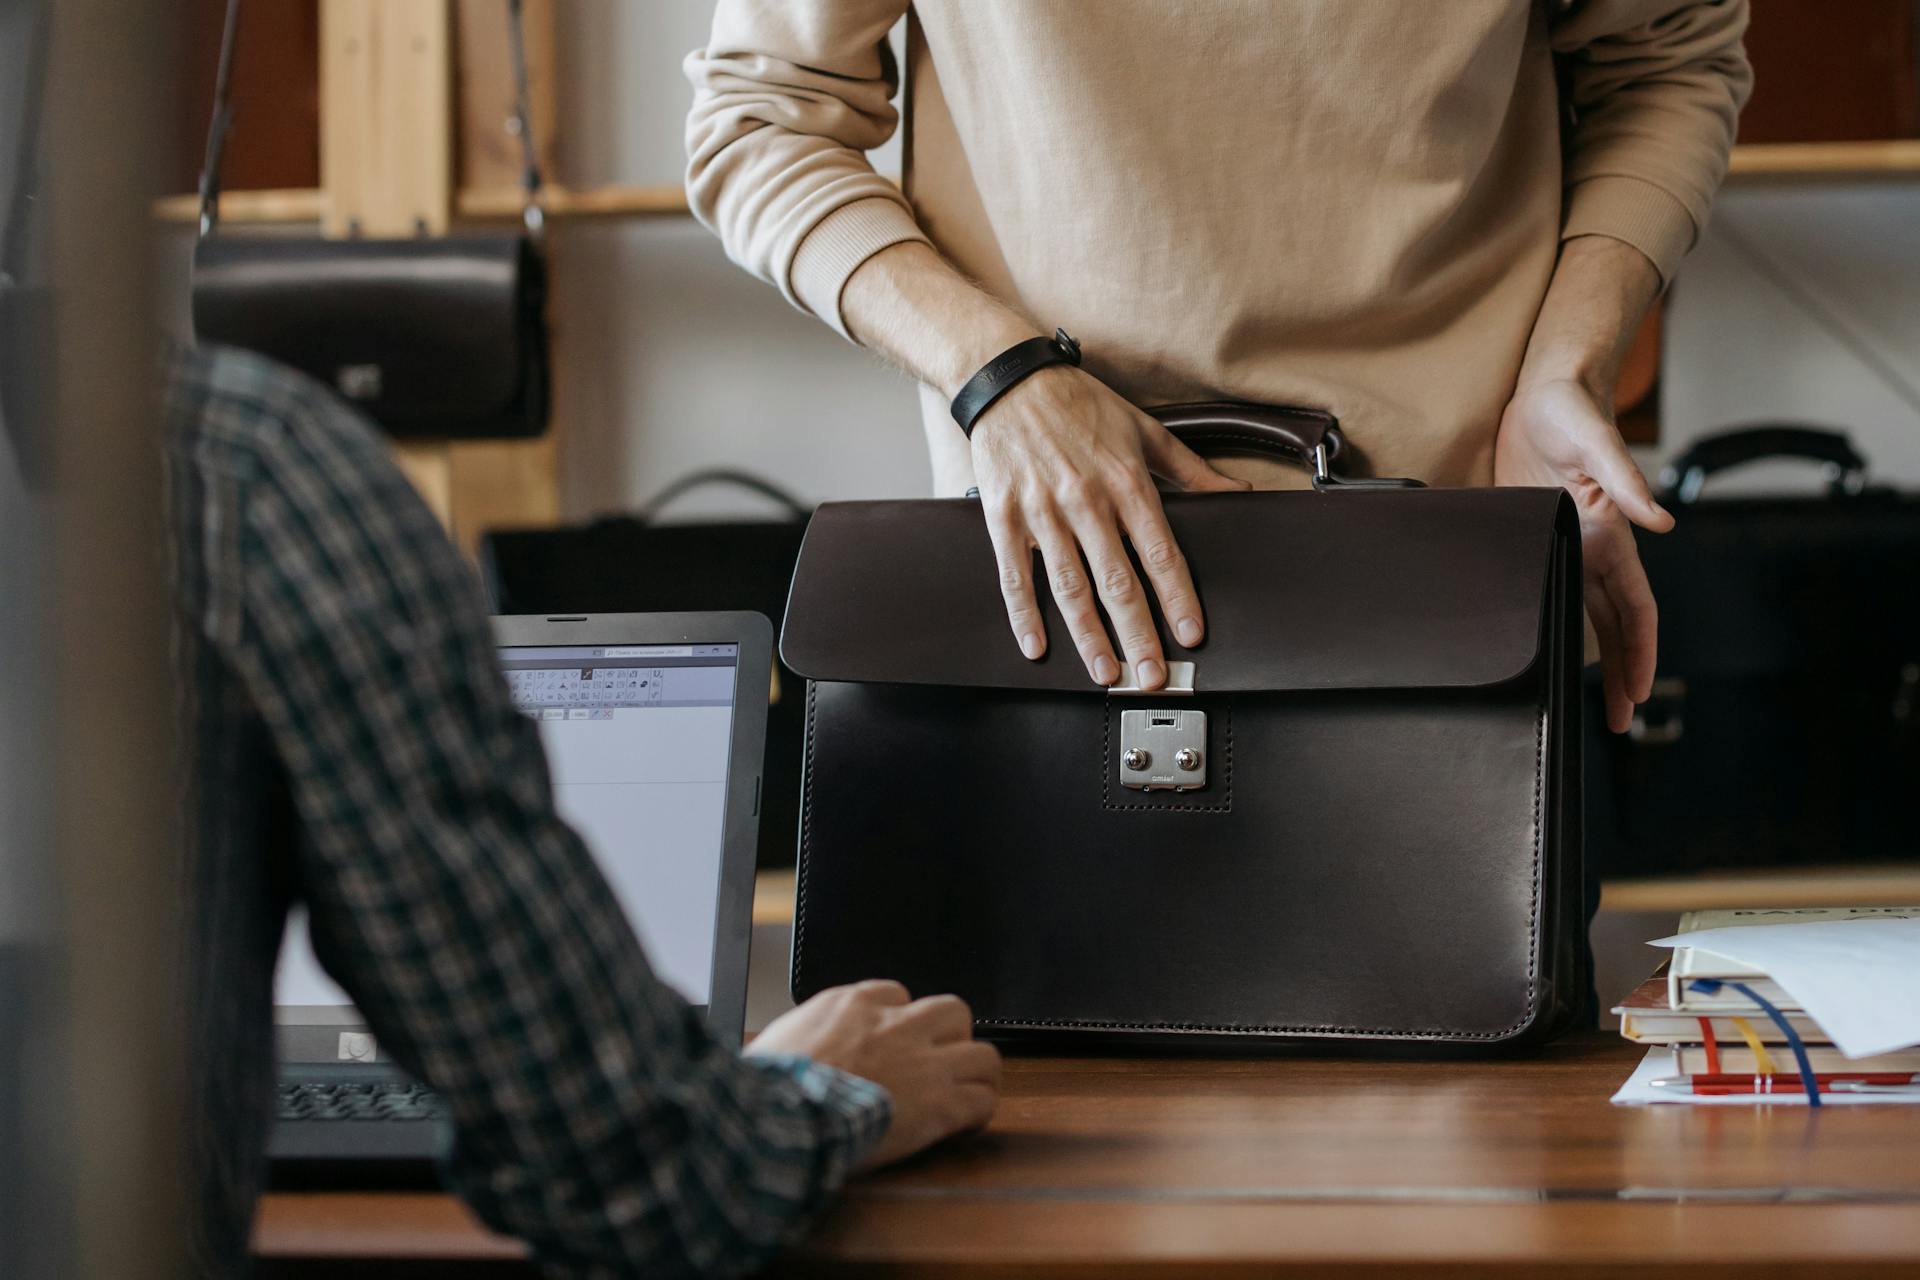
(1784, 728)
(432, 337)
(630, 564)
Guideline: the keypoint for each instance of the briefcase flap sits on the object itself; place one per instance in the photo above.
(1364, 589)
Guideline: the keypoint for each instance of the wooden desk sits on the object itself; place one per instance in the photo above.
(1297, 1166)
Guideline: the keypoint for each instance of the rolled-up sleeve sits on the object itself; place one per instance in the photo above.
(1655, 88)
(788, 96)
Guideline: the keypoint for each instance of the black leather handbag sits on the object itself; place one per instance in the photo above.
(1784, 727)
(440, 337)
(1353, 814)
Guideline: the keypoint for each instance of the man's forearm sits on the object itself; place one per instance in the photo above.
(909, 304)
(1599, 294)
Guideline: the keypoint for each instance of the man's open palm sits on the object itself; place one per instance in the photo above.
(1558, 434)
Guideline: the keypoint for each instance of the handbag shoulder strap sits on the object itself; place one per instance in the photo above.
(520, 123)
(650, 510)
(222, 122)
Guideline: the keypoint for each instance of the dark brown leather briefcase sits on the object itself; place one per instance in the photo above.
(1358, 819)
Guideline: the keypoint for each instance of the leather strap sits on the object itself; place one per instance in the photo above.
(1002, 373)
(521, 123)
(221, 123)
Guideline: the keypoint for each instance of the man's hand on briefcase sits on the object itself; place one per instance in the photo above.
(1558, 430)
(922, 1052)
(1064, 464)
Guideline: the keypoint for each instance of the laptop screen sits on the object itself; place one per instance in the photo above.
(638, 739)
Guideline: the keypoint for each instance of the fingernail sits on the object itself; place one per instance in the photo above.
(1030, 645)
(1147, 672)
(1105, 670)
(1187, 630)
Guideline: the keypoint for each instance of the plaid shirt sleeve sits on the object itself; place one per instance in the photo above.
(594, 1115)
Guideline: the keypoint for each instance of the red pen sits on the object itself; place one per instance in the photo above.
(1838, 1082)
(1824, 1077)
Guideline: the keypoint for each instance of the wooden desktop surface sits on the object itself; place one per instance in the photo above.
(1312, 1165)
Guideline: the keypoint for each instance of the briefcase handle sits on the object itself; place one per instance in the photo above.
(1308, 438)
(1845, 466)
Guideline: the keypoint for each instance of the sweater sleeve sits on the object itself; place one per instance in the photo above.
(1655, 87)
(788, 95)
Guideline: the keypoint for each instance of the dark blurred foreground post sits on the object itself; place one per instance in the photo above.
(89, 1179)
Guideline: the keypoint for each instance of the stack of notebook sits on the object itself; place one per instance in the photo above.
(1721, 1020)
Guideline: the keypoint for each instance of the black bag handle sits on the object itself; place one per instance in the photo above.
(1308, 438)
(1846, 467)
(519, 123)
(649, 510)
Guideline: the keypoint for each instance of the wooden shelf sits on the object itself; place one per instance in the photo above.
(290, 205)
(1826, 161)
(1892, 885)
(480, 204)
(1787, 161)
(562, 202)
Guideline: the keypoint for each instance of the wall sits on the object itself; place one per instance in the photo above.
(672, 358)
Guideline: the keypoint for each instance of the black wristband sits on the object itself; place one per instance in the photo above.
(999, 374)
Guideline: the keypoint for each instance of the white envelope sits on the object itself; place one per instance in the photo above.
(1859, 979)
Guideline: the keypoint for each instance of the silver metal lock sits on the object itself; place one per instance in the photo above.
(1163, 750)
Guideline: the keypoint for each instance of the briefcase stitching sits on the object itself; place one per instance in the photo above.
(1106, 775)
(1233, 1028)
(806, 844)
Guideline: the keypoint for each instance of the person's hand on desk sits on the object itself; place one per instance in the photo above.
(922, 1052)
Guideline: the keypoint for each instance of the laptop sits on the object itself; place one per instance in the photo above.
(654, 726)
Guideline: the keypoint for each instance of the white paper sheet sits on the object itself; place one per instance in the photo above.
(1638, 1091)
(1859, 979)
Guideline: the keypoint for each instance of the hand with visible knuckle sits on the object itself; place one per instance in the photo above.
(1061, 459)
(1163, 554)
(1118, 584)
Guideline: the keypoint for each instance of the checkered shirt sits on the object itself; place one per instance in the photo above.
(354, 749)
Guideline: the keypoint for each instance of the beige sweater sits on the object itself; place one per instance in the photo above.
(1348, 204)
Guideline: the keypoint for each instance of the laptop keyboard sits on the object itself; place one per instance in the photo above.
(360, 1100)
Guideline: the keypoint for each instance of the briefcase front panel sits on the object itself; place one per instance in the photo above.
(1386, 842)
